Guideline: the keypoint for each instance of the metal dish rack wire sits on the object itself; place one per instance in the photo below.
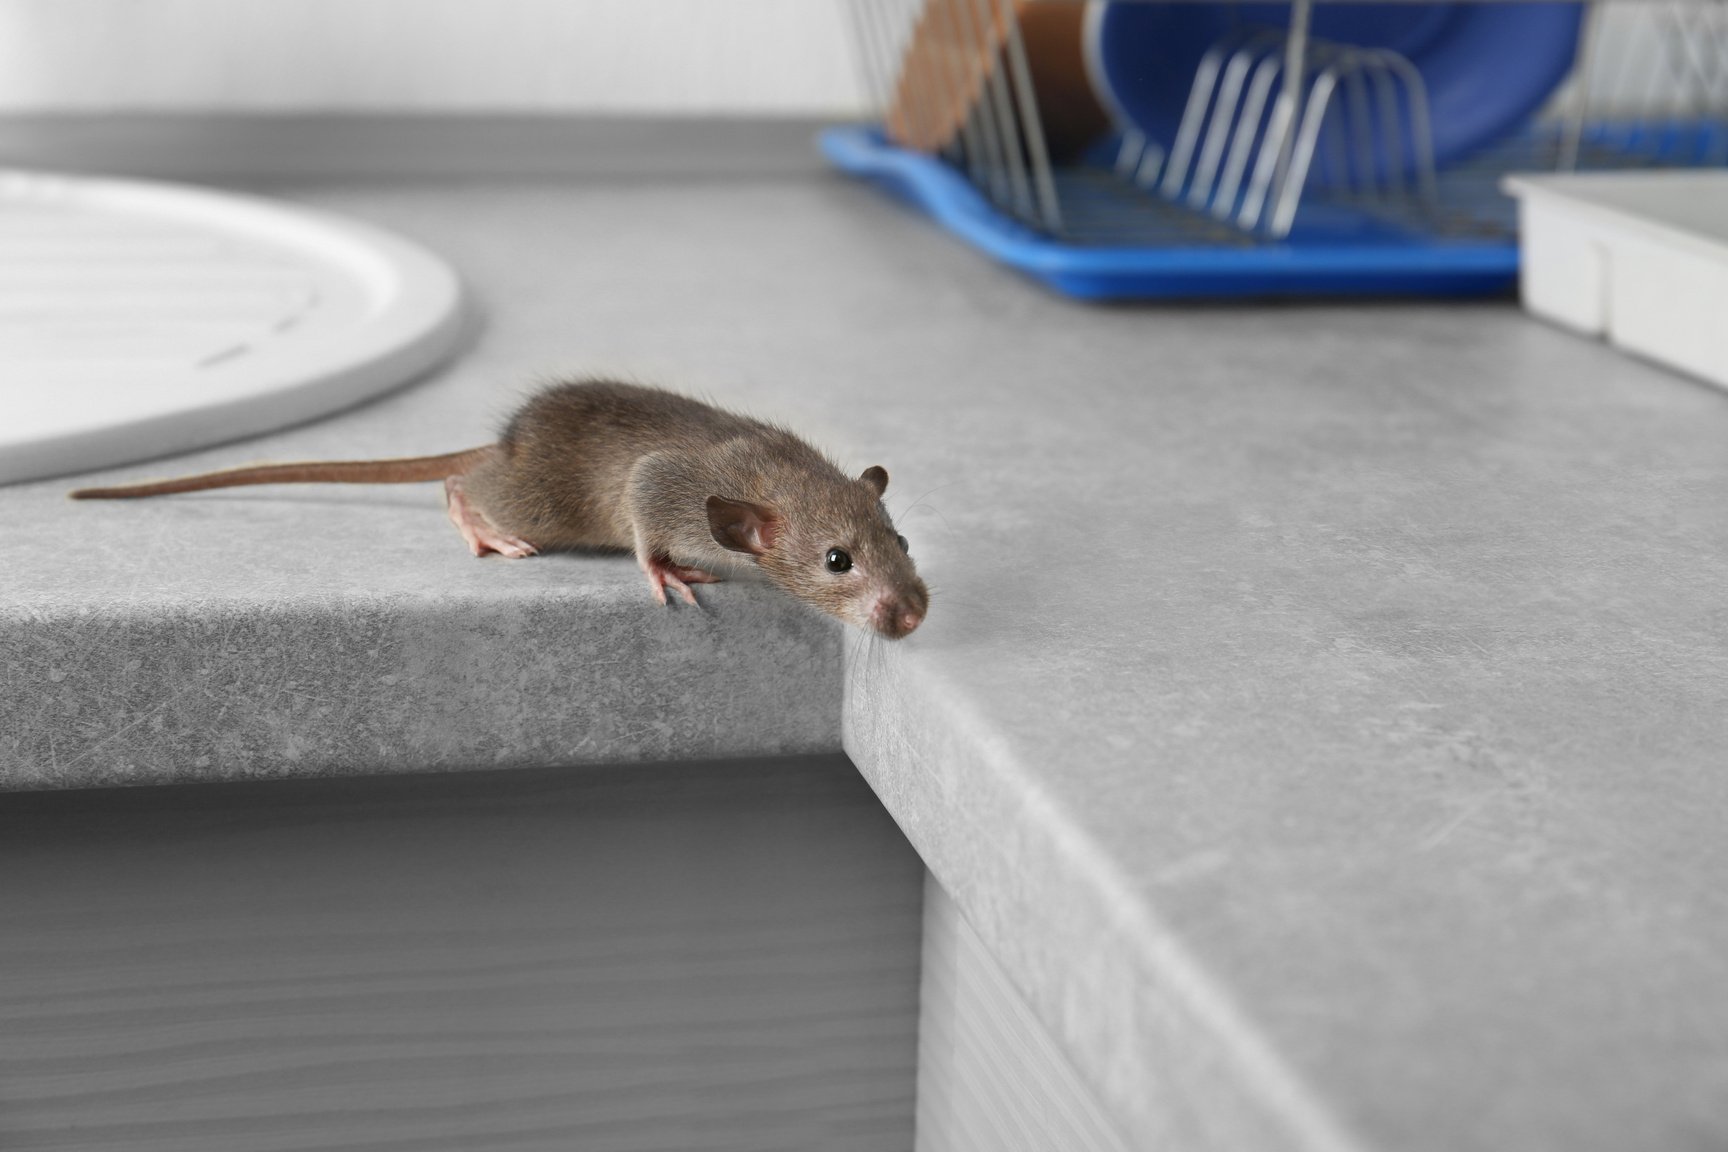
(1299, 166)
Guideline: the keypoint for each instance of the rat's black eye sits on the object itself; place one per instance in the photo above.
(839, 561)
(904, 547)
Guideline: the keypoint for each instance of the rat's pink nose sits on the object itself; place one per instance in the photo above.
(893, 617)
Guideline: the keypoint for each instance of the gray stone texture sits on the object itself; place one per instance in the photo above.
(1320, 716)
(307, 686)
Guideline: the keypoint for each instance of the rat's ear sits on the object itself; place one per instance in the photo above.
(742, 527)
(875, 477)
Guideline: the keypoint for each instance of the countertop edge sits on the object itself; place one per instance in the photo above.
(1171, 1055)
(247, 147)
(378, 684)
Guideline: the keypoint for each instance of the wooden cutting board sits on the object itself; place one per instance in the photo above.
(958, 46)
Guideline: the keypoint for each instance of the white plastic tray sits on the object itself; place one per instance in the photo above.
(1640, 258)
(141, 319)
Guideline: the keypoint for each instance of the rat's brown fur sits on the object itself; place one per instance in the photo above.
(601, 464)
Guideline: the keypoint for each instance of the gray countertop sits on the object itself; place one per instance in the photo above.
(1321, 713)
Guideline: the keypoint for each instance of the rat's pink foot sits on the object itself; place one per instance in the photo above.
(481, 536)
(662, 573)
(693, 575)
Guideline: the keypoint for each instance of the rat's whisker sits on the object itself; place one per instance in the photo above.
(934, 509)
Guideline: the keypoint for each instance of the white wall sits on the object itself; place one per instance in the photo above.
(687, 57)
(680, 57)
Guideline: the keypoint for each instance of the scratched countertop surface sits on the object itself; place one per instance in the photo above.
(1322, 714)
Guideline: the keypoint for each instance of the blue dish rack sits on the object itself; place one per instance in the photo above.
(1152, 249)
(1367, 199)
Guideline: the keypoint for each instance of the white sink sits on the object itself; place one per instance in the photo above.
(142, 319)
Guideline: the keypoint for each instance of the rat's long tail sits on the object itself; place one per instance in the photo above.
(402, 471)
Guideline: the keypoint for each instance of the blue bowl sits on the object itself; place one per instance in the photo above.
(1487, 67)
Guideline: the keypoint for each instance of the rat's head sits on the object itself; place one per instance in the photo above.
(836, 550)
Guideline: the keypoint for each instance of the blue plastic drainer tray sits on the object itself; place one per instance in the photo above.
(1121, 243)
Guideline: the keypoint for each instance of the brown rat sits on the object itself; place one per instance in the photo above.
(691, 489)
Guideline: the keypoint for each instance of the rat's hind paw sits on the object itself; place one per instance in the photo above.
(481, 536)
(510, 547)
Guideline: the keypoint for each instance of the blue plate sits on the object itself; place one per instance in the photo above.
(1487, 67)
